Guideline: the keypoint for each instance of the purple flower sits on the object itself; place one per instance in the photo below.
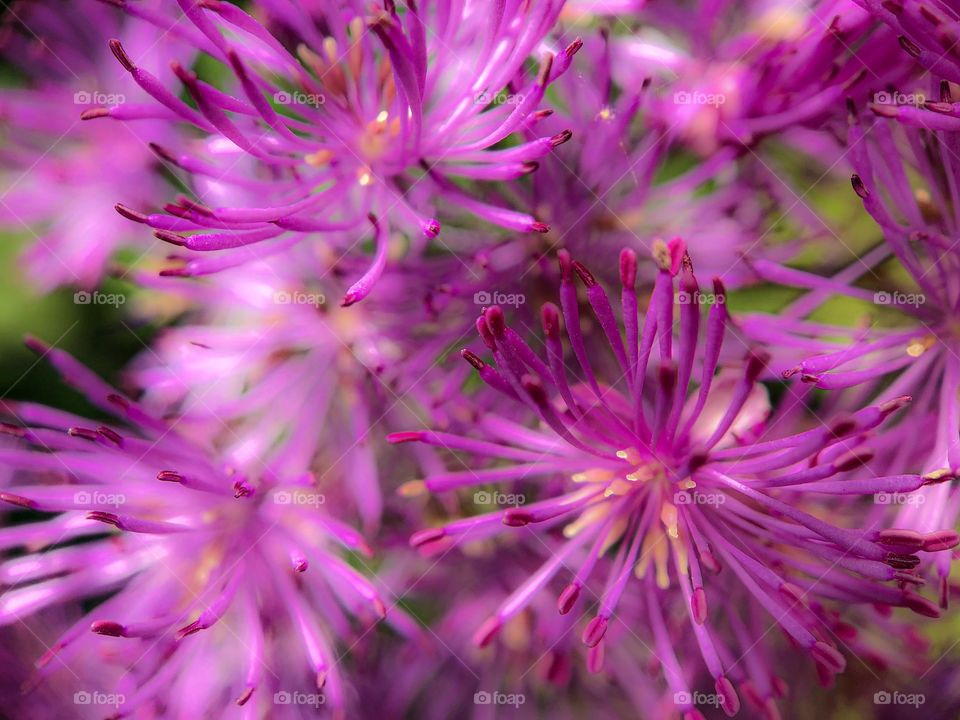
(606, 192)
(929, 32)
(61, 176)
(211, 567)
(668, 466)
(269, 370)
(376, 116)
(739, 72)
(905, 179)
(533, 669)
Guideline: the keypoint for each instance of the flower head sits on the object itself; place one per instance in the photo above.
(668, 470)
(904, 176)
(370, 115)
(62, 175)
(203, 565)
(268, 369)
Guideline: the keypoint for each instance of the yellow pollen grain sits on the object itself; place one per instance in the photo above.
(594, 475)
(516, 633)
(680, 552)
(355, 52)
(605, 114)
(364, 178)
(631, 455)
(655, 549)
(660, 557)
(413, 488)
(918, 347)
(382, 116)
(617, 487)
(591, 515)
(661, 254)
(668, 516)
(616, 532)
(330, 48)
(938, 474)
(642, 473)
(318, 158)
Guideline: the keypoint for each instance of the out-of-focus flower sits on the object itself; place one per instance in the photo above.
(61, 175)
(928, 31)
(737, 72)
(605, 193)
(223, 585)
(270, 370)
(906, 180)
(532, 668)
(383, 114)
(667, 466)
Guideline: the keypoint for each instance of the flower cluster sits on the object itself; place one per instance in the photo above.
(265, 484)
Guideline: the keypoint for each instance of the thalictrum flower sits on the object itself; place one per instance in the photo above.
(61, 176)
(736, 73)
(383, 114)
(212, 567)
(668, 467)
(905, 177)
(268, 369)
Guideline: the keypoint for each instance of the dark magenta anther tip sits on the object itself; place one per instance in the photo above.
(116, 47)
